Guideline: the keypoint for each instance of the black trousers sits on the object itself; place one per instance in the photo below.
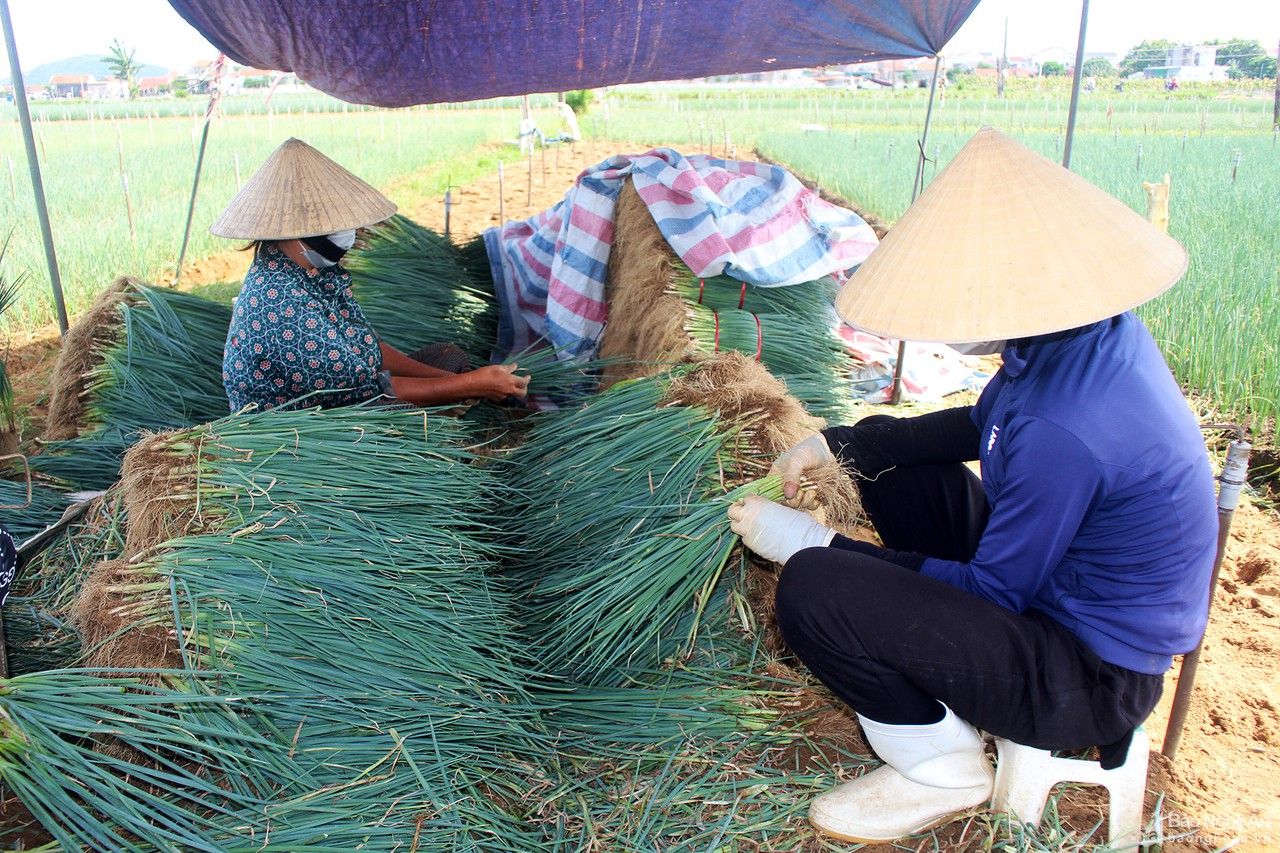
(893, 643)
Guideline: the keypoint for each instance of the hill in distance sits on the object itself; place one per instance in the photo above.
(86, 64)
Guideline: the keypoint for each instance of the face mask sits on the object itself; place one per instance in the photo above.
(327, 249)
(979, 347)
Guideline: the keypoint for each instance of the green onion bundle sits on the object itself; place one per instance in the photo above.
(621, 528)
(10, 287)
(808, 357)
(475, 260)
(109, 763)
(414, 289)
(163, 371)
(811, 302)
(38, 630)
(335, 567)
(688, 757)
(46, 506)
(166, 371)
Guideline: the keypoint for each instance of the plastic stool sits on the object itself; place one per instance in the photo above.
(1025, 776)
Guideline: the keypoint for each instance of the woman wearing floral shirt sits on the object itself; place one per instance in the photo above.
(297, 331)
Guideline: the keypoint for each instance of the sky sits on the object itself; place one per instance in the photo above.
(48, 30)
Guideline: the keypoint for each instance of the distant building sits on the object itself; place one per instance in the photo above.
(112, 89)
(1188, 62)
(1185, 55)
(159, 85)
(85, 86)
(69, 85)
(1060, 55)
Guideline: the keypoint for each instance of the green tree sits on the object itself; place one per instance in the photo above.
(1099, 67)
(1144, 55)
(124, 66)
(1053, 69)
(1239, 55)
(1263, 67)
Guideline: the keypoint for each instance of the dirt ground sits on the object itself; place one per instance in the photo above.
(1224, 786)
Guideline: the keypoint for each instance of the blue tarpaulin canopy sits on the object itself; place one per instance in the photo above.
(401, 52)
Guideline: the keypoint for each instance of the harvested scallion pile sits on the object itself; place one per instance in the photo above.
(164, 370)
(621, 529)
(336, 567)
(415, 290)
(807, 356)
(810, 301)
(109, 762)
(46, 506)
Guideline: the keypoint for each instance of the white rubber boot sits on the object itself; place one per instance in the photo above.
(930, 773)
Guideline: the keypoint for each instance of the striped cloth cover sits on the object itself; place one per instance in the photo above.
(752, 221)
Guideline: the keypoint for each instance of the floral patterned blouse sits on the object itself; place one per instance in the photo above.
(297, 332)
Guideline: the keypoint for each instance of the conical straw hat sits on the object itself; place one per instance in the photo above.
(1006, 244)
(299, 192)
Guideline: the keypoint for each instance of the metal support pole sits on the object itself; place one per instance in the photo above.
(191, 205)
(33, 164)
(195, 183)
(1075, 85)
(917, 185)
(1232, 481)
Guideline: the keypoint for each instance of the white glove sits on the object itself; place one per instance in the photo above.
(774, 531)
(810, 453)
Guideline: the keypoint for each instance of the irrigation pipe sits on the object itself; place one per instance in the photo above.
(1231, 482)
(33, 165)
(917, 183)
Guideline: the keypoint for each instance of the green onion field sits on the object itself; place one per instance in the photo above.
(1219, 327)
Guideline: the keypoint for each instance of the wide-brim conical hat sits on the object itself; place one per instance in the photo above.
(299, 192)
(1006, 244)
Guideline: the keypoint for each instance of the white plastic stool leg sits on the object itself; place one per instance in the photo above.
(1025, 776)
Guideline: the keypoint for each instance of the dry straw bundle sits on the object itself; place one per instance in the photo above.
(81, 351)
(659, 312)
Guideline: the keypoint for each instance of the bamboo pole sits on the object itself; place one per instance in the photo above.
(33, 165)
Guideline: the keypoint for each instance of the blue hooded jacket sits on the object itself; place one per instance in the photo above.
(1102, 500)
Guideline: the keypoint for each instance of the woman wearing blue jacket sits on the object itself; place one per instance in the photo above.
(1043, 601)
